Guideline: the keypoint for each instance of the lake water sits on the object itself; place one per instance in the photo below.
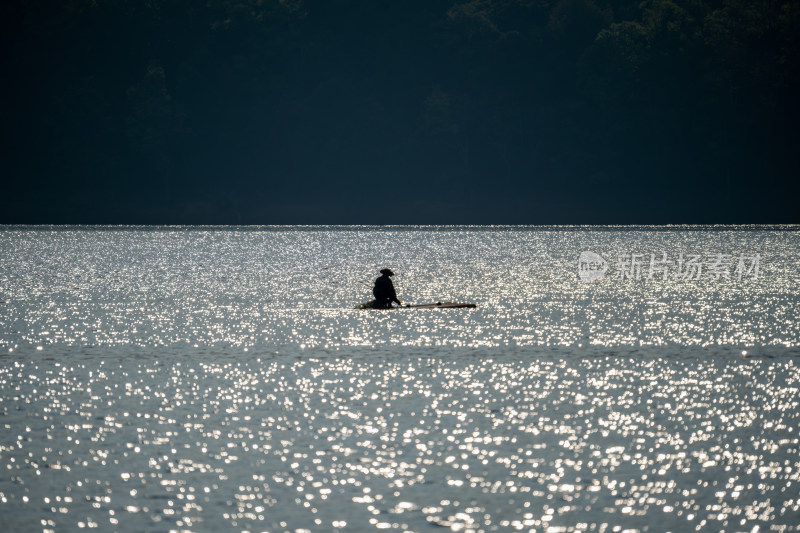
(219, 379)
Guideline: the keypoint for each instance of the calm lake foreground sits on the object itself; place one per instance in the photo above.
(219, 379)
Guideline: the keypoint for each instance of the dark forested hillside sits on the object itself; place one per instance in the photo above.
(416, 111)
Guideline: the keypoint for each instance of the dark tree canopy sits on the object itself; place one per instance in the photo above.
(422, 111)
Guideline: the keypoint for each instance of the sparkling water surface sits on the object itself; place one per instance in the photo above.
(219, 379)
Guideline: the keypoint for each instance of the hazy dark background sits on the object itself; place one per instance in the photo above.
(417, 111)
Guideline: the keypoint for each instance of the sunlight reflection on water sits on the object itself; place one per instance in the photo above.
(291, 288)
(478, 443)
(211, 380)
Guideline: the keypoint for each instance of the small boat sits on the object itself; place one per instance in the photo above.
(372, 304)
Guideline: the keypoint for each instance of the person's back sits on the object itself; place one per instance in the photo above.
(384, 290)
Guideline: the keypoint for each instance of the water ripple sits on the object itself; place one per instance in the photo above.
(269, 443)
(289, 288)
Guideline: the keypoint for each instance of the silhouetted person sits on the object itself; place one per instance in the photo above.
(384, 290)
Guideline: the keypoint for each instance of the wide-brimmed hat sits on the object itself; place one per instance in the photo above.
(387, 272)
